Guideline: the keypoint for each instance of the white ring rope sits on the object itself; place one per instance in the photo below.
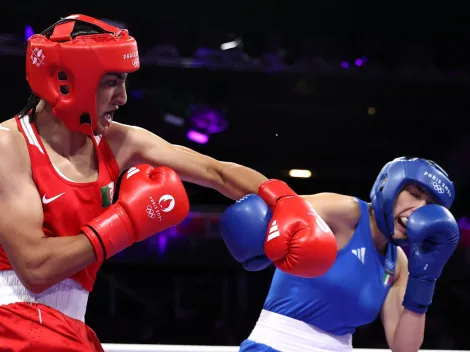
(114, 347)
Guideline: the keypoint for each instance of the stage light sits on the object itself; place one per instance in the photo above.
(360, 61)
(230, 45)
(299, 173)
(197, 137)
(206, 118)
(173, 120)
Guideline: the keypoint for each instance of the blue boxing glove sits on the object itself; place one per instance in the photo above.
(433, 235)
(243, 226)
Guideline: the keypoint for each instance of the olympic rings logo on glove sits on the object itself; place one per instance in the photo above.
(438, 187)
(150, 212)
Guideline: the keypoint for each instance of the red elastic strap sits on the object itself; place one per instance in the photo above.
(113, 230)
(96, 242)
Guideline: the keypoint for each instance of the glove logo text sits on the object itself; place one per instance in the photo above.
(153, 211)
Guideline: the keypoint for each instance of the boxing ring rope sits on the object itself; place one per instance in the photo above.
(114, 347)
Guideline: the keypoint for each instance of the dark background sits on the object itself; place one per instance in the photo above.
(288, 103)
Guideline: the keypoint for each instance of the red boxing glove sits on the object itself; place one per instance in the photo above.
(150, 200)
(298, 240)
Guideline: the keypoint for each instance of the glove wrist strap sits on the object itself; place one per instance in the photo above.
(271, 190)
(418, 295)
(96, 243)
(112, 229)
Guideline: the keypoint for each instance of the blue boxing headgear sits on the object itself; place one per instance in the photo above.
(400, 172)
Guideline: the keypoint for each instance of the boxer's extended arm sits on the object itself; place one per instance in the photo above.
(141, 146)
(404, 329)
(39, 262)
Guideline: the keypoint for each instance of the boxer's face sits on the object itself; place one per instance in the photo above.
(110, 95)
(410, 198)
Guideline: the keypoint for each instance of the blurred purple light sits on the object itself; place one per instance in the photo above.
(464, 223)
(359, 62)
(208, 119)
(344, 64)
(162, 243)
(137, 94)
(197, 137)
(28, 32)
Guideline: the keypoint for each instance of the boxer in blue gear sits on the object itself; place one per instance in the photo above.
(410, 202)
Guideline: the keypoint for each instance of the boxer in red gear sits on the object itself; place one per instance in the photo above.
(61, 159)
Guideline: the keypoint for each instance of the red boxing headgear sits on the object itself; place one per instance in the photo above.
(65, 71)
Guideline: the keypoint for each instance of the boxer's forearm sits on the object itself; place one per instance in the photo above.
(230, 179)
(57, 259)
(409, 334)
(238, 180)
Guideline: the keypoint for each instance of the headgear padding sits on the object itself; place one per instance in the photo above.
(65, 71)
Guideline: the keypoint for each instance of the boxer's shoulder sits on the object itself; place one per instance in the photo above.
(117, 130)
(120, 134)
(13, 148)
(132, 136)
(340, 212)
(9, 125)
(10, 138)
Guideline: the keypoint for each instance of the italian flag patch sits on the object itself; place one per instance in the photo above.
(387, 278)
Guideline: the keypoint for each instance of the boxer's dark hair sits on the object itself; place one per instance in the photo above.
(79, 29)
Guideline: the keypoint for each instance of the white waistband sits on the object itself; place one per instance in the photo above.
(68, 296)
(291, 335)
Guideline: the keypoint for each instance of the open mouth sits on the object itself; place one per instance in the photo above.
(108, 116)
(402, 220)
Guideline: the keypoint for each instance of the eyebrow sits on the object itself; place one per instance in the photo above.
(426, 193)
(421, 189)
(118, 75)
